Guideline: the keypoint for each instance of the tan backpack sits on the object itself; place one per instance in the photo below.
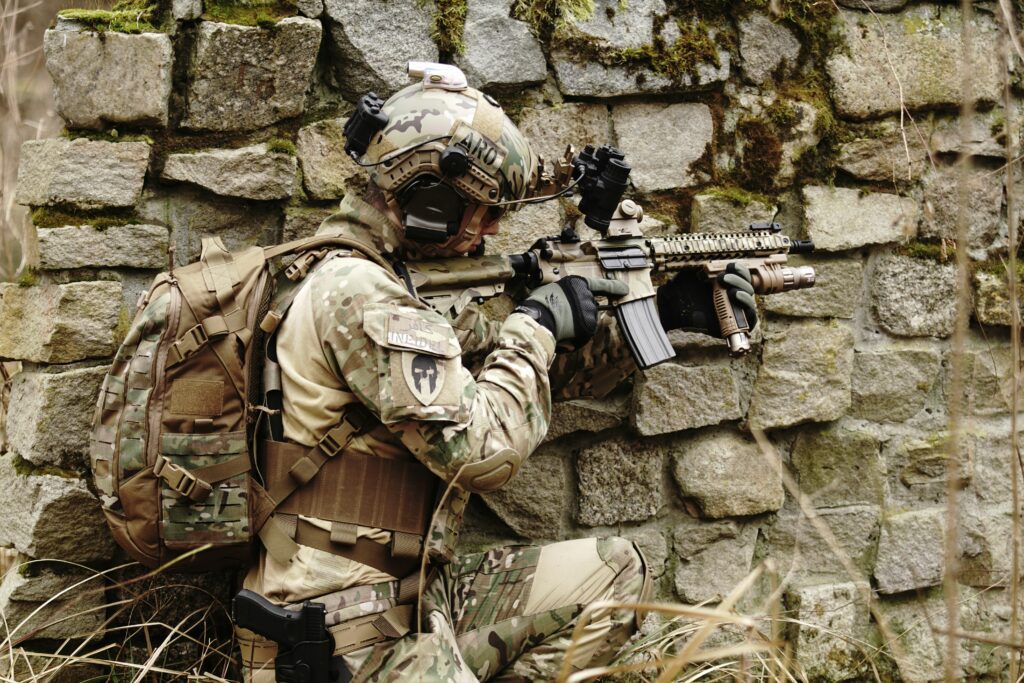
(175, 422)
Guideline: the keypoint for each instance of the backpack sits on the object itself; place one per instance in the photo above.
(172, 443)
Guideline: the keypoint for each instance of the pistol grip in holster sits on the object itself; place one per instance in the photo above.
(732, 320)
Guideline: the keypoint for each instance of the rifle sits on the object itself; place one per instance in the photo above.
(622, 253)
(305, 646)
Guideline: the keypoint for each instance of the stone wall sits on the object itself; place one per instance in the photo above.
(187, 119)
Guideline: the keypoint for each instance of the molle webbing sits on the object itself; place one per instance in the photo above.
(389, 558)
(354, 488)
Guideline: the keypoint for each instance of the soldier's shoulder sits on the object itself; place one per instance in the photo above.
(349, 283)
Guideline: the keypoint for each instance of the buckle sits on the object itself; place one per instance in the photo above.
(181, 480)
(336, 440)
(190, 342)
(301, 265)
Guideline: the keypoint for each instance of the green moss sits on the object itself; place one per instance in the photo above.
(25, 468)
(111, 135)
(928, 250)
(127, 16)
(28, 277)
(676, 61)
(247, 14)
(547, 17)
(762, 155)
(59, 217)
(120, 331)
(738, 195)
(999, 269)
(449, 24)
(281, 146)
(782, 113)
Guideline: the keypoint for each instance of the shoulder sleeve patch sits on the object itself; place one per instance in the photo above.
(410, 329)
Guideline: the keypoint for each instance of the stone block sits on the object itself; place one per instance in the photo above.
(518, 230)
(534, 502)
(303, 221)
(47, 604)
(727, 474)
(310, 8)
(916, 618)
(127, 246)
(767, 48)
(50, 415)
(186, 10)
(85, 173)
(992, 299)
(519, 62)
(586, 415)
(550, 129)
(910, 550)
(831, 619)
(642, 129)
(914, 297)
(246, 77)
(842, 218)
(892, 385)
(985, 135)
(911, 60)
(836, 293)
(591, 78)
(802, 552)
(110, 78)
(671, 397)
(889, 155)
(713, 558)
(983, 210)
(327, 171)
(917, 468)
(369, 52)
(985, 543)
(804, 374)
(718, 212)
(194, 214)
(252, 172)
(619, 481)
(839, 465)
(988, 379)
(51, 515)
(59, 323)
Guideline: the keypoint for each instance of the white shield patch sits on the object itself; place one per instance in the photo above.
(424, 375)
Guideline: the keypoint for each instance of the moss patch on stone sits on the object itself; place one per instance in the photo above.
(111, 135)
(677, 61)
(247, 14)
(282, 146)
(738, 195)
(28, 277)
(63, 216)
(929, 250)
(26, 468)
(127, 16)
(449, 24)
(546, 17)
(762, 155)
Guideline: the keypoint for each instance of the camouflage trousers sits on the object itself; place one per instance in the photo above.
(508, 614)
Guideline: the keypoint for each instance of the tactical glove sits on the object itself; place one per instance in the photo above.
(686, 302)
(567, 308)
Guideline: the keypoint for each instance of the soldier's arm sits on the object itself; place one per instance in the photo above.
(593, 371)
(403, 361)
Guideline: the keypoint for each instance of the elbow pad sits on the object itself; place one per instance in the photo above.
(490, 473)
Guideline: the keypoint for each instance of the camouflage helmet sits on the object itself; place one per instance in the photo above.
(440, 128)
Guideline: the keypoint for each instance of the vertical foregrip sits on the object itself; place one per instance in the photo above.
(732, 323)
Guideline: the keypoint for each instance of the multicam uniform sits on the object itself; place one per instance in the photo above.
(354, 334)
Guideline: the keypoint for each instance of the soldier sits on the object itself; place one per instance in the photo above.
(431, 410)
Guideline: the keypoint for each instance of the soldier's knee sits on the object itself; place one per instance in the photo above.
(633, 576)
